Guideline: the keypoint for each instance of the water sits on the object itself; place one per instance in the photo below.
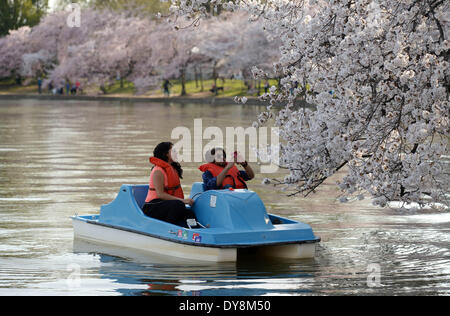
(58, 158)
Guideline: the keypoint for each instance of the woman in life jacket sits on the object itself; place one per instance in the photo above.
(220, 174)
(165, 198)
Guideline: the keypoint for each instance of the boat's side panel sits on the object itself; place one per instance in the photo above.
(121, 238)
(237, 210)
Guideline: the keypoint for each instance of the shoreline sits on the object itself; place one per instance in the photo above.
(175, 99)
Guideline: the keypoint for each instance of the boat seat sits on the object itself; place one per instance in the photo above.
(140, 193)
(197, 189)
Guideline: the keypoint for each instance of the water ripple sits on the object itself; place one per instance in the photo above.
(72, 158)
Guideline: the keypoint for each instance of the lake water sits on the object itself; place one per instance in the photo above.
(58, 158)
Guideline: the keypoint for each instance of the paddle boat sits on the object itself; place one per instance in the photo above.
(229, 222)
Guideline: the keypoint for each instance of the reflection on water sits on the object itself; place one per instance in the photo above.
(58, 158)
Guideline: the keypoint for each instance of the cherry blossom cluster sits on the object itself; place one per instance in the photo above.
(377, 75)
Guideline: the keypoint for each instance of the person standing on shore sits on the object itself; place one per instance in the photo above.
(77, 86)
(166, 87)
(67, 87)
(266, 86)
(39, 82)
(50, 88)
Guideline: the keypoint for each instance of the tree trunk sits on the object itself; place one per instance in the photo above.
(196, 76)
(214, 74)
(183, 83)
(201, 80)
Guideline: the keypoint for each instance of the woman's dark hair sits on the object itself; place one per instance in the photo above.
(210, 155)
(161, 151)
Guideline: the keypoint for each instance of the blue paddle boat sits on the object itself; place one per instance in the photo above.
(229, 221)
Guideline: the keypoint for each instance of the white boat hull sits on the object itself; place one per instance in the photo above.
(100, 234)
(121, 238)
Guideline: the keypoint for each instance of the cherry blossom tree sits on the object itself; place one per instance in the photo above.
(220, 37)
(218, 42)
(107, 45)
(380, 81)
(12, 48)
(119, 44)
(176, 47)
(94, 53)
(253, 47)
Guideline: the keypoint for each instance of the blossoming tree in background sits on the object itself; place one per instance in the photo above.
(110, 45)
(379, 79)
(107, 45)
(12, 48)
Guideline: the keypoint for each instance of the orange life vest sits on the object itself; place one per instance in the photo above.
(172, 184)
(232, 177)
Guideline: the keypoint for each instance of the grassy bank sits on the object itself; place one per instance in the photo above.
(231, 88)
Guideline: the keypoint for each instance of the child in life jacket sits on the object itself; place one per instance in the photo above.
(220, 174)
(165, 198)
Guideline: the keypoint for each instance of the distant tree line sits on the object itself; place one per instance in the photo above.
(17, 13)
